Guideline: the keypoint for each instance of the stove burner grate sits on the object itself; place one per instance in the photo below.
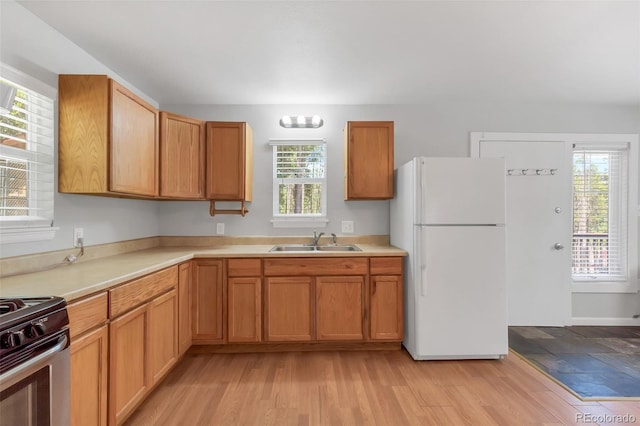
(10, 305)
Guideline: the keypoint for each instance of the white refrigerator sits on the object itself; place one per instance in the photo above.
(449, 215)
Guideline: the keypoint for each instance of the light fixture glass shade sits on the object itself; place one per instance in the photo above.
(301, 121)
(285, 121)
(7, 97)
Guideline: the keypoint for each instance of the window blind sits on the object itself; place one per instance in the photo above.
(299, 178)
(27, 159)
(600, 206)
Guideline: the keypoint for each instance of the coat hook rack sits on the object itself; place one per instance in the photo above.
(241, 211)
(531, 172)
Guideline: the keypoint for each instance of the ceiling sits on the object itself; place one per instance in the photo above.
(361, 52)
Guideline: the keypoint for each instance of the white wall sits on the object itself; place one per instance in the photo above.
(36, 49)
(432, 130)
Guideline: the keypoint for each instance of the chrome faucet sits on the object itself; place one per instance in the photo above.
(316, 238)
(335, 239)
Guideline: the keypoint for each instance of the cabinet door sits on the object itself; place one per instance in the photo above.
(89, 378)
(134, 144)
(163, 335)
(184, 308)
(386, 307)
(181, 156)
(289, 309)
(229, 161)
(368, 160)
(208, 302)
(129, 378)
(83, 133)
(245, 309)
(339, 308)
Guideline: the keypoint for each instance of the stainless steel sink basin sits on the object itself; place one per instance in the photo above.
(346, 247)
(292, 247)
(310, 248)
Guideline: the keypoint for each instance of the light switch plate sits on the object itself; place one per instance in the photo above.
(347, 227)
(220, 228)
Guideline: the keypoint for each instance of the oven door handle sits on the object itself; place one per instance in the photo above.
(42, 358)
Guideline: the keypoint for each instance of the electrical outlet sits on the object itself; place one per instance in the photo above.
(220, 228)
(347, 227)
(78, 234)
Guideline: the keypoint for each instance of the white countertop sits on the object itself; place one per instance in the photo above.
(83, 278)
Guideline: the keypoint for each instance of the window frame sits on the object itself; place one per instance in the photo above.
(618, 212)
(613, 284)
(298, 220)
(29, 228)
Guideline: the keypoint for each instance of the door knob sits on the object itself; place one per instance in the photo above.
(558, 246)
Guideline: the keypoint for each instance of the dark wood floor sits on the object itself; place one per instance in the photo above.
(595, 362)
(363, 388)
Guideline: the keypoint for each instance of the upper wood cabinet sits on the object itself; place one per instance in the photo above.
(108, 139)
(182, 156)
(229, 162)
(368, 160)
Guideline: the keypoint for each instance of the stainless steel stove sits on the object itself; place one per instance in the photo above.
(34, 361)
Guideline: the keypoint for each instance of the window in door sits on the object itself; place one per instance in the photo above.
(600, 213)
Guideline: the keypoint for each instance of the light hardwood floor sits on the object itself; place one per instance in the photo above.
(363, 388)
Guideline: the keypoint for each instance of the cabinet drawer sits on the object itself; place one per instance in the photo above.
(139, 291)
(87, 313)
(244, 267)
(310, 266)
(386, 265)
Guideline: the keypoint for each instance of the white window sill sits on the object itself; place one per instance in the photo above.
(21, 229)
(605, 287)
(299, 222)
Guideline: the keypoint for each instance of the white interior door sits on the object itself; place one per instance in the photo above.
(538, 230)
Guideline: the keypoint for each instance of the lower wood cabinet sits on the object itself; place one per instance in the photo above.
(162, 343)
(89, 360)
(244, 309)
(128, 366)
(386, 299)
(208, 322)
(386, 308)
(89, 377)
(289, 309)
(184, 307)
(340, 308)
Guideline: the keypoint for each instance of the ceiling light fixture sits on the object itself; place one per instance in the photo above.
(301, 121)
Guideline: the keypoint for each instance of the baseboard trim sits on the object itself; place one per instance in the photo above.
(605, 321)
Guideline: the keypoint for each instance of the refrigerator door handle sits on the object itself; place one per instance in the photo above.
(423, 273)
(421, 254)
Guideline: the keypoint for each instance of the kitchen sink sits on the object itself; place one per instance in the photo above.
(310, 248)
